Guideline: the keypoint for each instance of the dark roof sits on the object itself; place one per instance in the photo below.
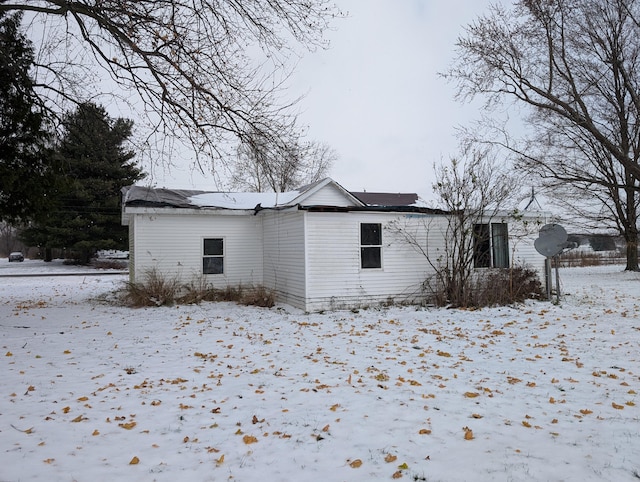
(148, 196)
(386, 198)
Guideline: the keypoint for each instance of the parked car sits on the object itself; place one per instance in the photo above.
(16, 256)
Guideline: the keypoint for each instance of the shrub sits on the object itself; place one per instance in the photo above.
(488, 288)
(259, 296)
(155, 290)
(507, 286)
(110, 264)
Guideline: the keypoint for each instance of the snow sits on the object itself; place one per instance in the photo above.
(224, 392)
(243, 200)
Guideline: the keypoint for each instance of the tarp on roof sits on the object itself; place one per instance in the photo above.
(157, 197)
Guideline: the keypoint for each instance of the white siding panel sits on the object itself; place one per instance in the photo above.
(172, 244)
(335, 279)
(522, 236)
(284, 255)
(330, 195)
(524, 252)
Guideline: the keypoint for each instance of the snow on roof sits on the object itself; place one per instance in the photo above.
(177, 198)
(243, 200)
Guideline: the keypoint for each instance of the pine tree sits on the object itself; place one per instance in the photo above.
(25, 171)
(95, 165)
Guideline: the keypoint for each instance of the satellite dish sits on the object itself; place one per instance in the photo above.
(552, 240)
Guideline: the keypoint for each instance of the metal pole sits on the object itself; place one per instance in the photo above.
(557, 278)
(547, 276)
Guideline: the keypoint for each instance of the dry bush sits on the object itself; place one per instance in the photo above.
(155, 290)
(259, 296)
(506, 286)
(492, 287)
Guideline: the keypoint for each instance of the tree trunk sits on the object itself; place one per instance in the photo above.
(631, 238)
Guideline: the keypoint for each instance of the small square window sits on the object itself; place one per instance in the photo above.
(213, 256)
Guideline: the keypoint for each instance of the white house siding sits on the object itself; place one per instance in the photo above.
(522, 236)
(172, 243)
(330, 195)
(334, 276)
(284, 255)
(132, 251)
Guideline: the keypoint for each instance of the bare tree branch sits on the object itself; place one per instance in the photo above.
(206, 72)
(575, 65)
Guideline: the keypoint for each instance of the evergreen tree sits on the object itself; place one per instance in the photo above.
(25, 171)
(95, 165)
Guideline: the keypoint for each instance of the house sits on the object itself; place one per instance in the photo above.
(317, 248)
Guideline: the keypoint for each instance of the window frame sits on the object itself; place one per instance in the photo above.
(367, 246)
(491, 245)
(206, 256)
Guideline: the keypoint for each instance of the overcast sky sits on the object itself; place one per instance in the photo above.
(375, 95)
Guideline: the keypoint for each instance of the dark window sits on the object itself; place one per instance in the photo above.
(370, 245)
(481, 246)
(500, 245)
(490, 246)
(213, 256)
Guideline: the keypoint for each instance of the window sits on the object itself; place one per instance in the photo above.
(213, 256)
(370, 245)
(490, 246)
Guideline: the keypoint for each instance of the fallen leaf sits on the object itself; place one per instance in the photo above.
(134, 461)
(471, 394)
(390, 458)
(355, 464)
(397, 475)
(128, 425)
(616, 406)
(249, 439)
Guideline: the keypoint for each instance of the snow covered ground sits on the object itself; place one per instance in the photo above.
(92, 391)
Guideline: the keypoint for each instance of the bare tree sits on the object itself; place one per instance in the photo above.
(264, 165)
(474, 194)
(574, 65)
(191, 65)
